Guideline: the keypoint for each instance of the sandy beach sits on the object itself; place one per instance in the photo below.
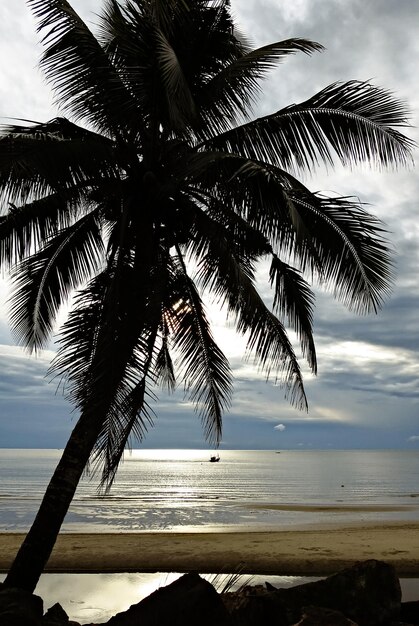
(318, 551)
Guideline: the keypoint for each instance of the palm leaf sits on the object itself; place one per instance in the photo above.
(52, 157)
(353, 120)
(24, 228)
(103, 357)
(130, 414)
(231, 282)
(232, 91)
(318, 231)
(44, 281)
(223, 246)
(79, 70)
(130, 418)
(179, 100)
(258, 192)
(137, 40)
(269, 344)
(164, 369)
(165, 12)
(138, 319)
(356, 262)
(133, 325)
(79, 337)
(114, 396)
(204, 367)
(126, 36)
(294, 300)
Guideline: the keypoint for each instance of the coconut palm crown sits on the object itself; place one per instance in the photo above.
(160, 186)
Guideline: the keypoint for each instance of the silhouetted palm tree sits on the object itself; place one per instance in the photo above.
(169, 189)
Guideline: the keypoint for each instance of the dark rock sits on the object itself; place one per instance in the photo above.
(409, 612)
(189, 601)
(261, 608)
(55, 616)
(19, 608)
(233, 601)
(315, 615)
(368, 593)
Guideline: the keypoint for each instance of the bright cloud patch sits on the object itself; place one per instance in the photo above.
(280, 427)
(412, 438)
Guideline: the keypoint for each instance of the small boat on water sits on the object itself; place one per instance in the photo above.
(215, 458)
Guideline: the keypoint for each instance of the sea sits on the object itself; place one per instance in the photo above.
(181, 491)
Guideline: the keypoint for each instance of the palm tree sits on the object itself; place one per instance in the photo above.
(165, 187)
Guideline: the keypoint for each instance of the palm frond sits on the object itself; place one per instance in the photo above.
(126, 36)
(233, 90)
(221, 245)
(214, 218)
(268, 343)
(130, 413)
(179, 100)
(354, 120)
(43, 282)
(204, 367)
(79, 337)
(53, 157)
(232, 283)
(258, 192)
(323, 234)
(97, 343)
(270, 346)
(132, 325)
(131, 418)
(294, 300)
(164, 370)
(163, 13)
(137, 39)
(26, 227)
(79, 70)
(355, 259)
(104, 360)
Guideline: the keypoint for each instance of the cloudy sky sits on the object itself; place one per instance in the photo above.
(366, 394)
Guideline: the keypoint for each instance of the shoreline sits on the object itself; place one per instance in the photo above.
(314, 551)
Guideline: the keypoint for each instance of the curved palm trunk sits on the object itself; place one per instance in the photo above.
(39, 542)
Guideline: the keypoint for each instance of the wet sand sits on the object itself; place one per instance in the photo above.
(310, 552)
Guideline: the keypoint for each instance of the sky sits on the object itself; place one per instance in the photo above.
(366, 393)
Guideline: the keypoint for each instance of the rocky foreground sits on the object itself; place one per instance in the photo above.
(367, 594)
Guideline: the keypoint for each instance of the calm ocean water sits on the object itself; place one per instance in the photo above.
(179, 490)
